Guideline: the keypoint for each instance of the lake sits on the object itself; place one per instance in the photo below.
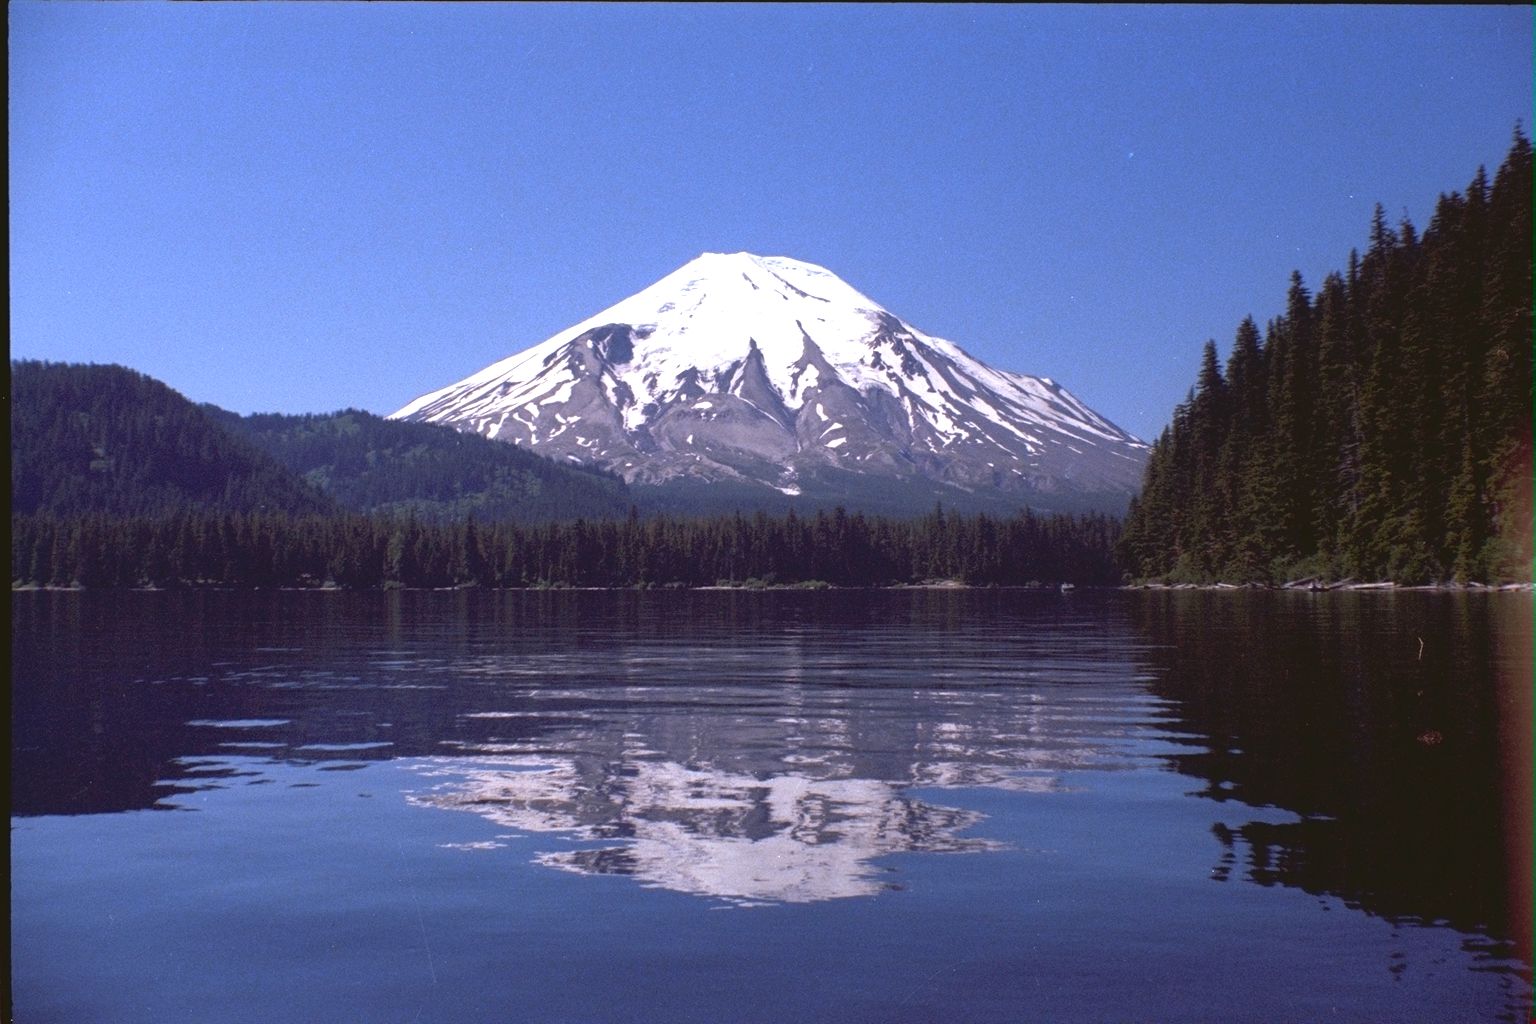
(851, 806)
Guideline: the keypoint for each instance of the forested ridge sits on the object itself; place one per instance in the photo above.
(1379, 429)
(106, 439)
(370, 464)
(831, 547)
(95, 438)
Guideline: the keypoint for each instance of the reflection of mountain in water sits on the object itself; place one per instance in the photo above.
(757, 747)
(787, 838)
(765, 790)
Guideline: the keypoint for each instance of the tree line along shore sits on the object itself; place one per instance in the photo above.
(834, 548)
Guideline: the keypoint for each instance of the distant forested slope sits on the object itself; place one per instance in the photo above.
(1380, 429)
(374, 465)
(105, 439)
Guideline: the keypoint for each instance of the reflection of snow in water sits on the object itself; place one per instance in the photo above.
(782, 793)
(789, 838)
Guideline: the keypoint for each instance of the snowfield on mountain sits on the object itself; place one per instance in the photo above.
(772, 371)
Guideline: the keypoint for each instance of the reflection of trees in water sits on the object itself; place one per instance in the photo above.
(107, 690)
(1410, 771)
(854, 701)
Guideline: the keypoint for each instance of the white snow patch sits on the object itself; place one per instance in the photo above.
(810, 378)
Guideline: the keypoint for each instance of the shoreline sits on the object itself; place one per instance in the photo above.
(821, 586)
(1344, 586)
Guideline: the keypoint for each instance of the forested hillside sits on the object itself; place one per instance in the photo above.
(89, 438)
(371, 464)
(1379, 429)
(106, 439)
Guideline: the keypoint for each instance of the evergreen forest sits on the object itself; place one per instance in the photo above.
(1379, 429)
(90, 438)
(829, 548)
(105, 439)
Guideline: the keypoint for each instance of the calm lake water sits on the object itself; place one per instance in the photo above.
(937, 806)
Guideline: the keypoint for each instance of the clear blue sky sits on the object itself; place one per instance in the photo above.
(296, 207)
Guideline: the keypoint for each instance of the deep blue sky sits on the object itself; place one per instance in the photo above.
(296, 208)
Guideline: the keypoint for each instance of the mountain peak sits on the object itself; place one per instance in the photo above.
(727, 259)
(727, 256)
(769, 369)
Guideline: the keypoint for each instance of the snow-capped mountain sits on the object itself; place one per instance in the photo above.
(773, 371)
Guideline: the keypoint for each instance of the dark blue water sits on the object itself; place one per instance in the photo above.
(716, 806)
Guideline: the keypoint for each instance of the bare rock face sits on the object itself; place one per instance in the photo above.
(772, 371)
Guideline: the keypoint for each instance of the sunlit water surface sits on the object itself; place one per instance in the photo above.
(715, 806)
